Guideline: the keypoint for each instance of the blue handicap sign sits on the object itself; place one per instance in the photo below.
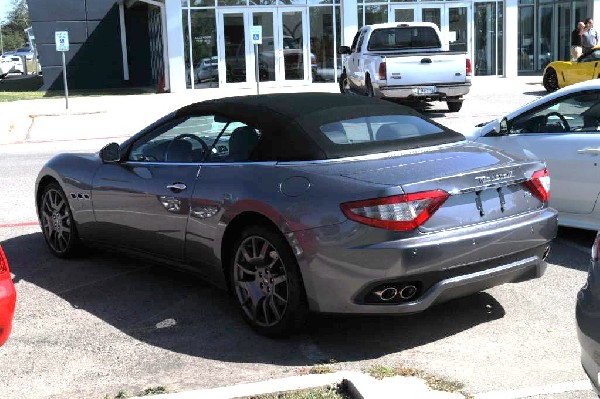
(255, 36)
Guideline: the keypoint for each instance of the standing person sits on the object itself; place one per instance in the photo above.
(590, 37)
(576, 48)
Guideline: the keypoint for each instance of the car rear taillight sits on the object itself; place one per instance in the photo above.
(382, 71)
(469, 68)
(596, 248)
(4, 270)
(398, 212)
(539, 185)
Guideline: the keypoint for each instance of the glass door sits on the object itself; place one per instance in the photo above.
(402, 14)
(295, 63)
(234, 45)
(267, 61)
(459, 16)
(433, 13)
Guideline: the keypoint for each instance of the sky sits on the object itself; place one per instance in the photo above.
(5, 6)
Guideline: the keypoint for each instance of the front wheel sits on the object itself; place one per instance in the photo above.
(369, 88)
(344, 84)
(550, 80)
(267, 283)
(57, 222)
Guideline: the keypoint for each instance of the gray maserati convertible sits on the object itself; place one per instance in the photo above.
(307, 202)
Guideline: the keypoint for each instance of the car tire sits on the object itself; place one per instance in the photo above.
(267, 283)
(369, 88)
(550, 80)
(58, 225)
(454, 106)
(344, 84)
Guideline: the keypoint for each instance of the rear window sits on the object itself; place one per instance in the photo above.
(403, 38)
(379, 128)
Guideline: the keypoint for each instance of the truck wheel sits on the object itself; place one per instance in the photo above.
(454, 106)
(369, 87)
(550, 80)
(344, 85)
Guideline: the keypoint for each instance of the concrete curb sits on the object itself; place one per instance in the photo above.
(359, 386)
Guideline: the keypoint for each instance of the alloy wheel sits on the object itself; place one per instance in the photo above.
(260, 281)
(55, 217)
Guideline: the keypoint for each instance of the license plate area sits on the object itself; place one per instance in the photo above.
(424, 90)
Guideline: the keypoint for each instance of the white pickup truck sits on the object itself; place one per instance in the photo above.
(405, 61)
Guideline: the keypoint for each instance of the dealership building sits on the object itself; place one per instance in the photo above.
(177, 45)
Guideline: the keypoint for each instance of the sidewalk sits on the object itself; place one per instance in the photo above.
(115, 117)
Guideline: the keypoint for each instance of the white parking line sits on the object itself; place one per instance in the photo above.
(583, 385)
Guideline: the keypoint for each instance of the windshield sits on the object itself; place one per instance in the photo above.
(407, 37)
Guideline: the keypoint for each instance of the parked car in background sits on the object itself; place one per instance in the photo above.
(207, 69)
(559, 74)
(8, 298)
(587, 314)
(562, 129)
(26, 52)
(405, 61)
(308, 201)
(14, 60)
(6, 66)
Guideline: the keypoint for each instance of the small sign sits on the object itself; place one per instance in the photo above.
(62, 40)
(256, 34)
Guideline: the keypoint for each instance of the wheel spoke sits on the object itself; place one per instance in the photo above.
(279, 279)
(265, 310)
(273, 306)
(244, 269)
(263, 250)
(245, 254)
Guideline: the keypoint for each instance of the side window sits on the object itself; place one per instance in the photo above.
(361, 39)
(235, 143)
(355, 41)
(579, 113)
(183, 140)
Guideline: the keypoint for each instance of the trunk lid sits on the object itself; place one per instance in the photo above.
(484, 184)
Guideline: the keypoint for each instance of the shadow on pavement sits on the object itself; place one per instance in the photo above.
(178, 312)
(578, 260)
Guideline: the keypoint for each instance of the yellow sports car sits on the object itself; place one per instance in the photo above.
(559, 74)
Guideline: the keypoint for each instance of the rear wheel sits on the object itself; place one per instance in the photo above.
(550, 80)
(267, 283)
(57, 222)
(344, 84)
(369, 87)
(454, 106)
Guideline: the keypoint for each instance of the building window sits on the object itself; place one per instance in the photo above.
(487, 32)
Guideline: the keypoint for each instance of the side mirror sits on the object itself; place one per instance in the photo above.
(344, 50)
(110, 153)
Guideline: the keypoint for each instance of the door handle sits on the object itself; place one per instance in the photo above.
(177, 187)
(589, 151)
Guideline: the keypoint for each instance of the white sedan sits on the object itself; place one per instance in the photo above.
(562, 128)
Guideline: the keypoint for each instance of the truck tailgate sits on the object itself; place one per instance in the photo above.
(408, 70)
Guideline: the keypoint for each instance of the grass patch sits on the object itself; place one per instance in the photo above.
(336, 391)
(323, 367)
(146, 392)
(28, 88)
(433, 382)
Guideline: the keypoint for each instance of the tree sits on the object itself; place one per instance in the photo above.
(17, 20)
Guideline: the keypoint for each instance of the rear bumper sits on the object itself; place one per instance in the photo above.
(587, 314)
(446, 264)
(8, 298)
(443, 90)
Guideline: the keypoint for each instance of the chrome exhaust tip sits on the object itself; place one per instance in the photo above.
(386, 294)
(546, 252)
(408, 292)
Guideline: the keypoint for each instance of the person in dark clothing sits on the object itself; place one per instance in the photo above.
(576, 47)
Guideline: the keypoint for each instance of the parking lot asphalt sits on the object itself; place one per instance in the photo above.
(47, 124)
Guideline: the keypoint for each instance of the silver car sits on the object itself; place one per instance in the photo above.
(307, 202)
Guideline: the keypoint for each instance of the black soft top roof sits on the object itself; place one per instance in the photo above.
(290, 124)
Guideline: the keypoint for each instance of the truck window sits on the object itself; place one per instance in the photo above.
(354, 41)
(361, 39)
(403, 38)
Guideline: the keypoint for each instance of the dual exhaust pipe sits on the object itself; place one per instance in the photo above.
(403, 293)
